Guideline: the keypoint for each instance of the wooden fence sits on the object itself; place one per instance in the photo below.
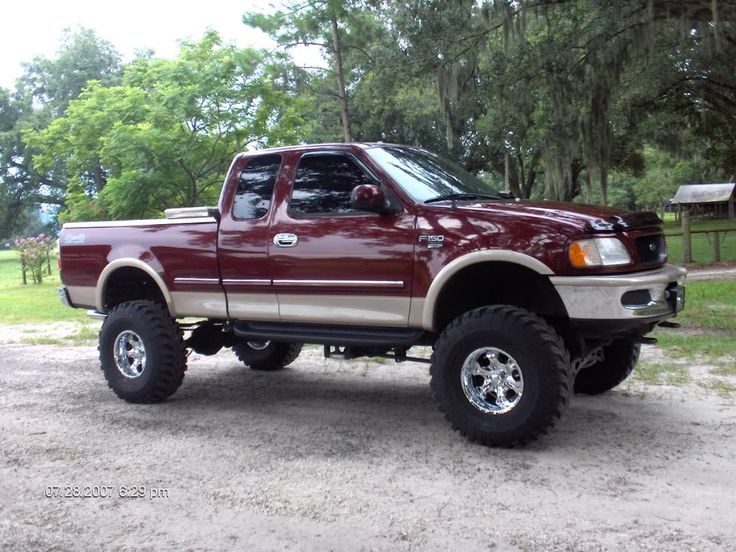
(714, 236)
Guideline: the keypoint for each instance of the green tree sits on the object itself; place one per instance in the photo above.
(316, 23)
(82, 57)
(43, 93)
(166, 136)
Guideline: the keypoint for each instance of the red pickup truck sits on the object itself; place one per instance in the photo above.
(369, 250)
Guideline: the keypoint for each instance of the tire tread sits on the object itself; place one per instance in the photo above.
(166, 336)
(504, 314)
(283, 355)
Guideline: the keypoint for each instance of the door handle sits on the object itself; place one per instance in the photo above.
(285, 240)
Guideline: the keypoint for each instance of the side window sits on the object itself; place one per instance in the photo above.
(255, 187)
(324, 183)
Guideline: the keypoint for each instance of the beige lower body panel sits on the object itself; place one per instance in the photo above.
(83, 296)
(344, 309)
(200, 304)
(284, 307)
(416, 314)
(253, 306)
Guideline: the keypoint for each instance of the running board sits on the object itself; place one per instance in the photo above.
(331, 335)
(349, 353)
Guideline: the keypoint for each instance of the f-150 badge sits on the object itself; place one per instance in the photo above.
(432, 241)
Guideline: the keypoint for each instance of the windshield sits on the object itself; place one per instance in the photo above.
(425, 176)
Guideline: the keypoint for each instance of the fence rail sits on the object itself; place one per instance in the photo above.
(713, 235)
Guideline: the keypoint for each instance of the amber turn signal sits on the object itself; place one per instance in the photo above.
(577, 256)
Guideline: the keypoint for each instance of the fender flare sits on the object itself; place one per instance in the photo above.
(131, 263)
(469, 259)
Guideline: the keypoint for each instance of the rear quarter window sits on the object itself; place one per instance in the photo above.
(255, 187)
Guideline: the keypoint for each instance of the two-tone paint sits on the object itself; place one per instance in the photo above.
(361, 269)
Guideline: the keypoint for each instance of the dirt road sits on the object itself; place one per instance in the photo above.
(352, 456)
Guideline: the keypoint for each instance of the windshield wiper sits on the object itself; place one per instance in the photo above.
(451, 197)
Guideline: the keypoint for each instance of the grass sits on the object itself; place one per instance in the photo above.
(84, 336)
(707, 337)
(674, 227)
(33, 302)
(699, 347)
(702, 248)
(710, 305)
(723, 388)
(709, 323)
(702, 244)
(726, 369)
(662, 374)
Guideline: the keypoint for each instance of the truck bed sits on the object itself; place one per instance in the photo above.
(181, 253)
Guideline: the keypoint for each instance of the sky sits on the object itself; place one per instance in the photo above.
(34, 27)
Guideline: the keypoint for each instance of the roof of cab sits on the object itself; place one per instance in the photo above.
(336, 146)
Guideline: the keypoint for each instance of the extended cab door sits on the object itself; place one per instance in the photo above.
(331, 264)
(244, 235)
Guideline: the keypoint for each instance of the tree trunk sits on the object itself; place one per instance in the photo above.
(337, 56)
(99, 175)
(448, 90)
(529, 183)
(604, 184)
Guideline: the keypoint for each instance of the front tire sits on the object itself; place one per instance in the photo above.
(501, 375)
(142, 352)
(619, 360)
(266, 356)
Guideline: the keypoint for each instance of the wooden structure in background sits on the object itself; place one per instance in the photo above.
(713, 200)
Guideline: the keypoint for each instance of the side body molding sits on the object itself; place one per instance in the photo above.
(131, 263)
(427, 305)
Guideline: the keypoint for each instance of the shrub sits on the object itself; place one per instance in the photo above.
(34, 254)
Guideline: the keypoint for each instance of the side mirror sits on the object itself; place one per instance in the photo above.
(369, 197)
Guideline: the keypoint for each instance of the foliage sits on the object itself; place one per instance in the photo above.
(166, 136)
(616, 103)
(42, 94)
(28, 304)
(34, 254)
(549, 96)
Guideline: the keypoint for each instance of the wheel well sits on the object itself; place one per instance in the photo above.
(130, 284)
(497, 283)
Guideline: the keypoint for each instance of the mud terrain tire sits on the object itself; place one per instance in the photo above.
(142, 352)
(501, 375)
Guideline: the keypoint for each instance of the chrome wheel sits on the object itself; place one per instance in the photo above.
(492, 380)
(129, 353)
(259, 345)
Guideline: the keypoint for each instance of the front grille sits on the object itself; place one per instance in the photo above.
(651, 249)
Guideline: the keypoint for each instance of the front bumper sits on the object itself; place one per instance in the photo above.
(644, 296)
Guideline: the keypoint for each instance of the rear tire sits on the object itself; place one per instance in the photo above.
(266, 356)
(619, 360)
(142, 352)
(501, 375)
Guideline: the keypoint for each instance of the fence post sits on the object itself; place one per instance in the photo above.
(716, 247)
(48, 261)
(687, 256)
(23, 270)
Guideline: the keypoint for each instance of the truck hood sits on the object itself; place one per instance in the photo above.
(588, 218)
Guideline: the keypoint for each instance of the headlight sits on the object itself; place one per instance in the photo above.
(598, 252)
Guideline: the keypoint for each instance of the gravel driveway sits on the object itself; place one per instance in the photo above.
(346, 456)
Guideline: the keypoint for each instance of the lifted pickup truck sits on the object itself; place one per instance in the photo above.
(369, 250)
